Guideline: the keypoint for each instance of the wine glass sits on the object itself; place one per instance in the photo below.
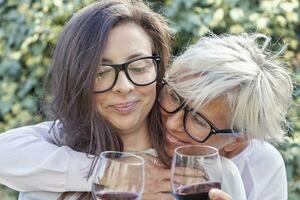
(195, 170)
(120, 176)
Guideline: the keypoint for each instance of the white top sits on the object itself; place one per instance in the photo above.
(231, 180)
(32, 164)
(263, 171)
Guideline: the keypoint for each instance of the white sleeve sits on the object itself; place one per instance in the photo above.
(231, 180)
(267, 173)
(276, 189)
(29, 162)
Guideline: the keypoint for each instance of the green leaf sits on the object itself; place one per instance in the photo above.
(236, 14)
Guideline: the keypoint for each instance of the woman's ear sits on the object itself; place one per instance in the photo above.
(235, 147)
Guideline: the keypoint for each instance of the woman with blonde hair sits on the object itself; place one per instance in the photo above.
(229, 92)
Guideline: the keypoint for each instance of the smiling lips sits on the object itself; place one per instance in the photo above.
(174, 140)
(124, 108)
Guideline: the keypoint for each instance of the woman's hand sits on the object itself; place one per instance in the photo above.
(216, 194)
(157, 180)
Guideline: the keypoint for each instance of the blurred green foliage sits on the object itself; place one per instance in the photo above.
(29, 29)
(7, 194)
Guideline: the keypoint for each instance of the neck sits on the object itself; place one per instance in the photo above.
(238, 148)
(136, 140)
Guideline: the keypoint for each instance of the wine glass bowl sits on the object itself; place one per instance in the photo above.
(120, 176)
(195, 170)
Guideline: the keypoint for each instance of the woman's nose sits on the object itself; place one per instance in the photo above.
(123, 84)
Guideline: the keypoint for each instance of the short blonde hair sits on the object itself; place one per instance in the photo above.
(234, 67)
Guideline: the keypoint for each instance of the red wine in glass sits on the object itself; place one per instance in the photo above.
(195, 192)
(117, 196)
(119, 176)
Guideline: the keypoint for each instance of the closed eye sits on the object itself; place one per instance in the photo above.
(199, 121)
(137, 70)
(103, 72)
(174, 98)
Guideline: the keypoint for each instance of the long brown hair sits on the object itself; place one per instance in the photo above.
(75, 58)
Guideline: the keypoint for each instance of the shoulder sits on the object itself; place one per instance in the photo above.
(264, 171)
(39, 195)
(262, 151)
(33, 131)
(40, 126)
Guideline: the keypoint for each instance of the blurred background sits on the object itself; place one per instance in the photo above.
(29, 30)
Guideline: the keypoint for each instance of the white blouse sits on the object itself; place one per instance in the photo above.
(31, 163)
(263, 171)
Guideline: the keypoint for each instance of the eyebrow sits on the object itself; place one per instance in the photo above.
(131, 57)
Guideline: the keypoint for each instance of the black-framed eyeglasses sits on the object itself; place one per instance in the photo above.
(141, 72)
(196, 125)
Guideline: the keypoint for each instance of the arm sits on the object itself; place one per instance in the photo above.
(231, 180)
(276, 188)
(157, 180)
(29, 162)
(268, 174)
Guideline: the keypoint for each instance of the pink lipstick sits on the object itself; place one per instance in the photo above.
(124, 108)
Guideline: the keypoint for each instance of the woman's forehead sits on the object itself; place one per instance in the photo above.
(217, 111)
(214, 110)
(126, 41)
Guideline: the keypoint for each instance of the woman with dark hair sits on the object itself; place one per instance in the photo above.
(106, 66)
